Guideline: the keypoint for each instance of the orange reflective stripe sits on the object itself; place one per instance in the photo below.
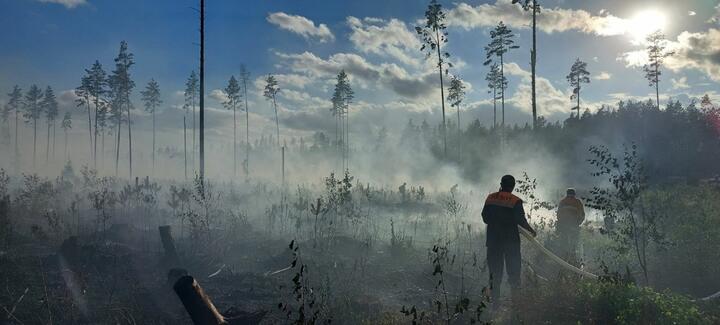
(503, 199)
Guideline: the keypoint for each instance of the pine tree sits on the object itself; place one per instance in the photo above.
(82, 93)
(434, 36)
(50, 107)
(456, 95)
(97, 88)
(270, 93)
(657, 53)
(66, 125)
(232, 91)
(151, 98)
(534, 6)
(192, 92)
(122, 85)
(578, 76)
(501, 42)
(33, 112)
(341, 100)
(245, 79)
(496, 81)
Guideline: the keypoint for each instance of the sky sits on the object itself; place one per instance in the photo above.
(306, 43)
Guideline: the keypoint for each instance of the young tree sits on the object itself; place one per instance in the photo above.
(496, 81)
(657, 52)
(341, 99)
(66, 125)
(33, 112)
(122, 85)
(15, 104)
(434, 36)
(245, 79)
(534, 6)
(192, 92)
(456, 95)
(502, 40)
(271, 91)
(83, 100)
(50, 107)
(578, 76)
(97, 88)
(151, 98)
(232, 91)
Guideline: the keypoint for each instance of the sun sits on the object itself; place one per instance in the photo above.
(646, 22)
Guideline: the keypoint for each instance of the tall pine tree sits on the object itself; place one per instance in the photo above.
(151, 99)
(502, 40)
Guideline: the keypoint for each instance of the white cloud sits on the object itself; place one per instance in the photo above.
(699, 51)
(603, 75)
(70, 4)
(218, 95)
(551, 20)
(390, 38)
(679, 83)
(301, 26)
(715, 19)
(380, 76)
(550, 100)
(692, 13)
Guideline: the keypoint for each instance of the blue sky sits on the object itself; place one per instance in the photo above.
(50, 42)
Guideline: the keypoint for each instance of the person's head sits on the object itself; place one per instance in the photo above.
(507, 183)
(570, 192)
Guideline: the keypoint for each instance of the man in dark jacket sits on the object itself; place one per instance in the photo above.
(503, 213)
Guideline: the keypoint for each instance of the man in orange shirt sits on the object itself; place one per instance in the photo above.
(570, 215)
(503, 213)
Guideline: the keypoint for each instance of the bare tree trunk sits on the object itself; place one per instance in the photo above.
(494, 107)
(533, 61)
(202, 90)
(89, 126)
(153, 144)
(502, 90)
(97, 103)
(129, 124)
(234, 141)
(277, 122)
(197, 303)
(185, 145)
(66, 145)
(54, 137)
(117, 147)
(34, 143)
(47, 145)
(442, 93)
(247, 132)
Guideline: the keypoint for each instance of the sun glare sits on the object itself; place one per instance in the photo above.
(646, 22)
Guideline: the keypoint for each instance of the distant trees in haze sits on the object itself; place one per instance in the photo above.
(15, 104)
(501, 41)
(434, 35)
(151, 99)
(657, 53)
(578, 75)
(456, 95)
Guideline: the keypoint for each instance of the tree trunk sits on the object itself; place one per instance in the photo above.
(66, 145)
(197, 303)
(442, 93)
(234, 141)
(47, 145)
(54, 137)
(277, 122)
(202, 90)
(129, 124)
(34, 142)
(533, 60)
(494, 107)
(247, 132)
(117, 147)
(185, 145)
(502, 90)
(153, 144)
(97, 104)
(89, 126)
(657, 87)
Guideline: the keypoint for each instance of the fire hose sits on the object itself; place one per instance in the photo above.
(554, 257)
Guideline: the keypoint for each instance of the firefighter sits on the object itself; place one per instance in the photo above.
(570, 215)
(502, 213)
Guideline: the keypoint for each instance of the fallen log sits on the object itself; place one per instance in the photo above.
(197, 303)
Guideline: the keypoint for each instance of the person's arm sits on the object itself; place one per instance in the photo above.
(485, 214)
(520, 219)
(582, 213)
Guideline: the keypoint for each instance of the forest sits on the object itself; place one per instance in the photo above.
(206, 193)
